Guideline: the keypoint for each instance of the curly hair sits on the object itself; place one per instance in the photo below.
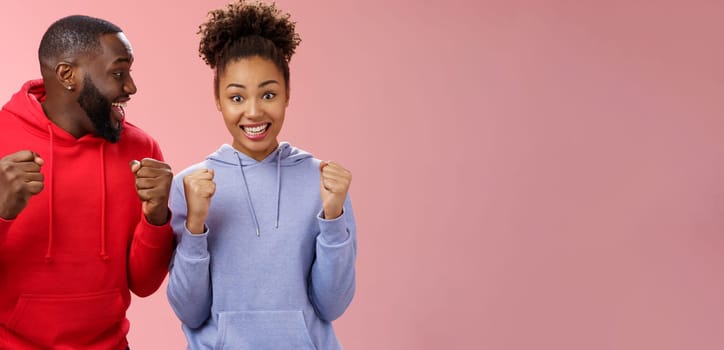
(244, 29)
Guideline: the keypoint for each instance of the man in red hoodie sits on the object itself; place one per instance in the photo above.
(84, 214)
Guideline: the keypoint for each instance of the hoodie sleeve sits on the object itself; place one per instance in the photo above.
(151, 251)
(4, 228)
(189, 284)
(333, 272)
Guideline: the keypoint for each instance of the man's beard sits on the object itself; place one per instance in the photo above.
(98, 109)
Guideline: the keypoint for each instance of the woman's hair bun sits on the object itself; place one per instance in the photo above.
(244, 19)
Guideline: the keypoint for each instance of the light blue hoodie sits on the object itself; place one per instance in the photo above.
(269, 272)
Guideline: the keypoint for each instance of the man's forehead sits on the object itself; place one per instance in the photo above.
(116, 44)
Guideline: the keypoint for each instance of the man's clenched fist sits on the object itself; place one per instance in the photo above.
(153, 184)
(20, 179)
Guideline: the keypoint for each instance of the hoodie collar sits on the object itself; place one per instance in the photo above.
(285, 155)
(26, 105)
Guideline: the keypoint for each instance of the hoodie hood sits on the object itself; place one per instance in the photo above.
(284, 156)
(26, 105)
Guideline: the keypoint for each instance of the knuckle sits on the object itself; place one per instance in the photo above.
(13, 177)
(6, 166)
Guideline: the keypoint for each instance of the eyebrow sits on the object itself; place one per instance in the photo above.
(123, 60)
(263, 84)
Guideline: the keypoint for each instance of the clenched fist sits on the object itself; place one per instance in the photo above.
(153, 183)
(20, 178)
(334, 184)
(199, 187)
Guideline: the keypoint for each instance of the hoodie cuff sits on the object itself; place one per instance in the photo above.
(333, 232)
(155, 236)
(194, 246)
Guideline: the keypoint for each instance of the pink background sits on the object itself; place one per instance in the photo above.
(527, 174)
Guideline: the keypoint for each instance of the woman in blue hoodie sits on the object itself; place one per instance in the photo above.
(266, 235)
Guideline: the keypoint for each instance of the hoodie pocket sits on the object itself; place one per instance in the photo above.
(261, 330)
(68, 319)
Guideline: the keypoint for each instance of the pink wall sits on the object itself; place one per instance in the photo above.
(527, 174)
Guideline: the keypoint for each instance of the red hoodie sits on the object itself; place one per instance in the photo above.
(68, 260)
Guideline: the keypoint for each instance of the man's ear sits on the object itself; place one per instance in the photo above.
(66, 75)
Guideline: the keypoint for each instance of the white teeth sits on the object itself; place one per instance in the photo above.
(119, 104)
(255, 129)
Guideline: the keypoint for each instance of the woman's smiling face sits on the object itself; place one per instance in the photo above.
(253, 97)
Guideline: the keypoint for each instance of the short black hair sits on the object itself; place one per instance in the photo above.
(246, 29)
(73, 36)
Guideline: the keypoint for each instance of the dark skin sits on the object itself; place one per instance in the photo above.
(20, 179)
(20, 176)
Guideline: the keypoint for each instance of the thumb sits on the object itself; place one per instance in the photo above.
(322, 186)
(37, 159)
(323, 164)
(135, 165)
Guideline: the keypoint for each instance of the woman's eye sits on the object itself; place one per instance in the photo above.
(268, 96)
(236, 98)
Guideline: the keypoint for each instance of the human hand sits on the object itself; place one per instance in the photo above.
(333, 187)
(199, 187)
(153, 184)
(20, 179)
